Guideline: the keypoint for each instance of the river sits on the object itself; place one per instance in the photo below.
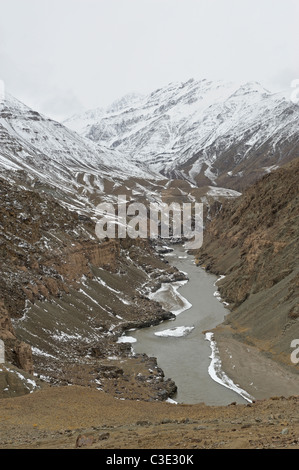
(187, 359)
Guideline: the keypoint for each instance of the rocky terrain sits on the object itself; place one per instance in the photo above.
(66, 298)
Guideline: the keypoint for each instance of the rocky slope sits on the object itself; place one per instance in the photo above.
(254, 242)
(210, 133)
(66, 298)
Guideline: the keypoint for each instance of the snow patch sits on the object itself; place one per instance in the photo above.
(126, 339)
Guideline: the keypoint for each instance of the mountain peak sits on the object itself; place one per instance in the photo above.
(128, 100)
(253, 87)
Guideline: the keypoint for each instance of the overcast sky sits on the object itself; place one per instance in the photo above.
(63, 56)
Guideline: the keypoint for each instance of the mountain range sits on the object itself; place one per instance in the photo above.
(44, 153)
(208, 133)
(192, 139)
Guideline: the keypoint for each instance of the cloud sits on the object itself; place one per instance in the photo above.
(284, 78)
(35, 86)
(62, 55)
(61, 104)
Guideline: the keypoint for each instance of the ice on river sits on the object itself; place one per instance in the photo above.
(176, 332)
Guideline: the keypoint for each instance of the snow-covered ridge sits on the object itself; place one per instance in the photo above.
(170, 126)
(49, 152)
(212, 134)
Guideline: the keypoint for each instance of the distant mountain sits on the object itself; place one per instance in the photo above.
(189, 140)
(210, 133)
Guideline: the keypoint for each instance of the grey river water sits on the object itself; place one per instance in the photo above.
(186, 359)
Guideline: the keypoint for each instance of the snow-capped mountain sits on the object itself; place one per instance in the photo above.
(49, 153)
(217, 137)
(206, 132)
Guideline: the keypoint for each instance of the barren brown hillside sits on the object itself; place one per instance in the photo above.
(254, 242)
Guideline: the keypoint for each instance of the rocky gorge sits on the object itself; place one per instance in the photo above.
(67, 298)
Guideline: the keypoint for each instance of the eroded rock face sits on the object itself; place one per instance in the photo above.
(24, 356)
(44, 250)
(19, 353)
(6, 328)
(15, 382)
(14, 350)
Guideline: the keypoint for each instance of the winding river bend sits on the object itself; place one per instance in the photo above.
(181, 348)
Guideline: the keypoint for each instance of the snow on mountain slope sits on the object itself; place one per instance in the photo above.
(49, 152)
(199, 130)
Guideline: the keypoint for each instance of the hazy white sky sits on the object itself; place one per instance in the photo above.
(63, 56)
